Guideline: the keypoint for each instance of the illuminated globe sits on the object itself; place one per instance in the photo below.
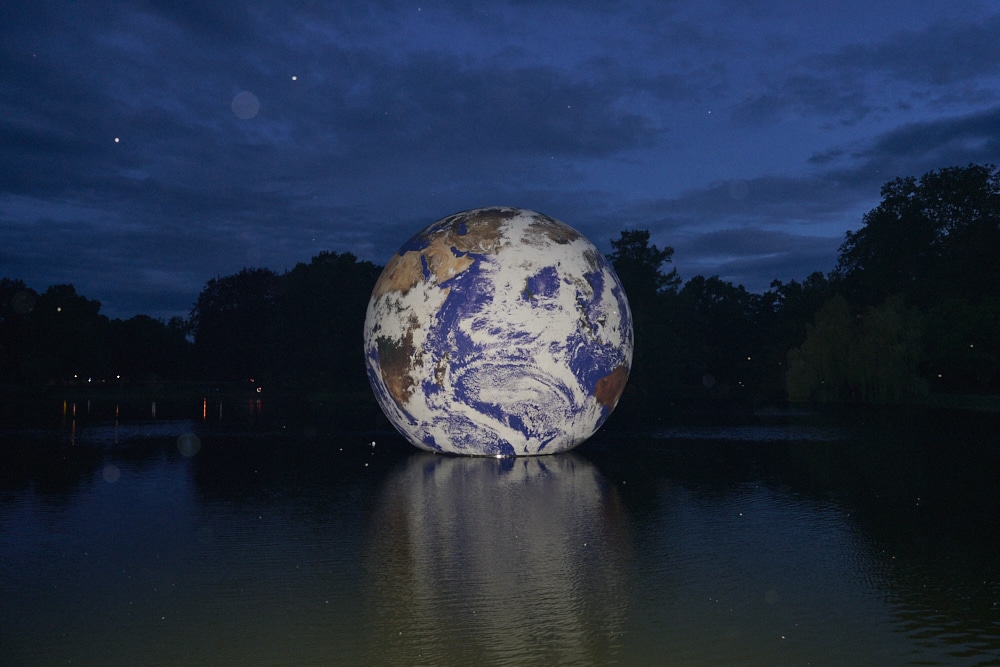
(498, 332)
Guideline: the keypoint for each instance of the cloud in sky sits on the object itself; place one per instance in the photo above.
(151, 146)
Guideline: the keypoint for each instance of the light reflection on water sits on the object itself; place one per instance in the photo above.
(491, 561)
(290, 544)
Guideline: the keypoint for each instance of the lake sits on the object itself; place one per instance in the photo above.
(239, 533)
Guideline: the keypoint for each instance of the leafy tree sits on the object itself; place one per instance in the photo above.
(962, 345)
(301, 330)
(318, 325)
(784, 313)
(817, 370)
(639, 265)
(790, 307)
(883, 362)
(934, 241)
(63, 338)
(147, 349)
(16, 303)
(846, 357)
(717, 321)
(231, 324)
(16, 299)
(930, 238)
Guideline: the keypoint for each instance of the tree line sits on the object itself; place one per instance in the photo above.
(912, 306)
(296, 331)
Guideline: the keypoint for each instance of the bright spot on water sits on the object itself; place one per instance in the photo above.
(245, 105)
(116, 140)
(111, 473)
(295, 78)
(188, 444)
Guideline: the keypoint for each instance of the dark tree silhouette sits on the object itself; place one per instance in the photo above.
(961, 345)
(717, 321)
(784, 313)
(319, 316)
(639, 265)
(64, 338)
(919, 278)
(144, 349)
(913, 303)
(17, 301)
(930, 238)
(871, 356)
(300, 331)
(231, 325)
(791, 306)
(60, 337)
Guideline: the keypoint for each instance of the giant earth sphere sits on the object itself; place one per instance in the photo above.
(498, 332)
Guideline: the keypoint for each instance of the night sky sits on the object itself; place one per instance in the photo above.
(146, 147)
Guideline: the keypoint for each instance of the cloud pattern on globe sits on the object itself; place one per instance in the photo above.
(498, 332)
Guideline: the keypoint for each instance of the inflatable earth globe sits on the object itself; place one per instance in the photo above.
(498, 332)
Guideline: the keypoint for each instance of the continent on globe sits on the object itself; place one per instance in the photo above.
(498, 332)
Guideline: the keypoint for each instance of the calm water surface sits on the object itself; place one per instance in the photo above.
(216, 536)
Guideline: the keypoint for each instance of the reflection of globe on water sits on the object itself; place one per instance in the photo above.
(509, 561)
(498, 332)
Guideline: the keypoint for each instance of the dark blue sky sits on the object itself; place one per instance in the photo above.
(150, 146)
